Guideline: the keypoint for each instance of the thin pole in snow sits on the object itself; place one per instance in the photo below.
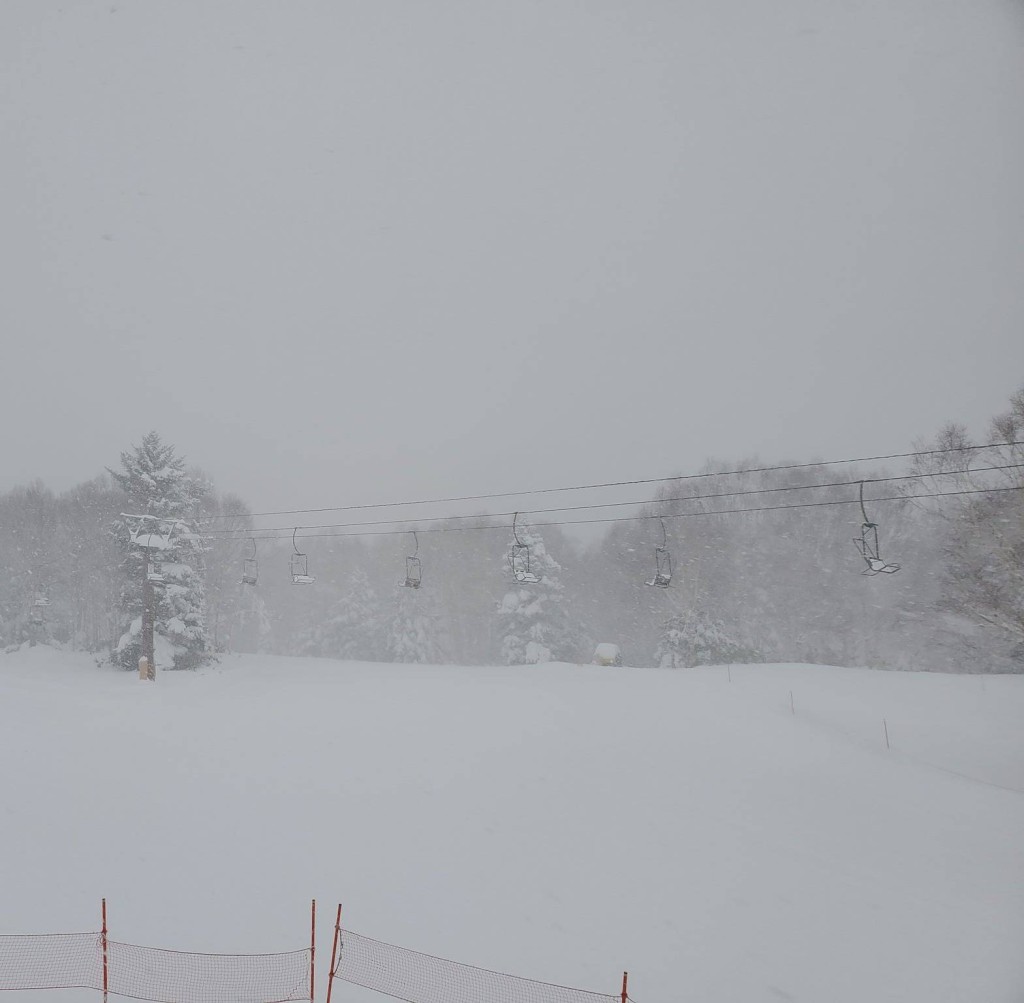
(792, 707)
(335, 961)
(885, 725)
(104, 939)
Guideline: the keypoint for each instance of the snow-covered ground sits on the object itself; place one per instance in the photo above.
(557, 822)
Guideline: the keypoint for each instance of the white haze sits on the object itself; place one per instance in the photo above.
(370, 251)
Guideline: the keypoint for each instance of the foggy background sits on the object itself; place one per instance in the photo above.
(366, 252)
(346, 254)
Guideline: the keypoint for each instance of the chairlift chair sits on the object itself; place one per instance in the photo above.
(35, 613)
(663, 563)
(519, 559)
(867, 545)
(663, 569)
(251, 567)
(152, 539)
(299, 567)
(413, 569)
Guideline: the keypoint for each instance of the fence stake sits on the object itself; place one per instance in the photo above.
(625, 979)
(886, 727)
(728, 669)
(334, 955)
(312, 954)
(792, 707)
(103, 938)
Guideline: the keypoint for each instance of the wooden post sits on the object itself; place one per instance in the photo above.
(625, 981)
(103, 941)
(885, 725)
(335, 960)
(312, 955)
(792, 706)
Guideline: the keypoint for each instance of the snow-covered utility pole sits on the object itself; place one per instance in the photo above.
(147, 663)
(149, 541)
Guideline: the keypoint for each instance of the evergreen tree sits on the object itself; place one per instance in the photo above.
(31, 566)
(690, 639)
(414, 632)
(533, 620)
(156, 484)
(251, 626)
(354, 629)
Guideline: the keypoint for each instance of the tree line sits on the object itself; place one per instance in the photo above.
(772, 585)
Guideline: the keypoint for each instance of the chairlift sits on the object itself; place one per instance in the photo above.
(152, 532)
(299, 568)
(39, 604)
(662, 563)
(251, 567)
(158, 538)
(867, 545)
(519, 559)
(413, 571)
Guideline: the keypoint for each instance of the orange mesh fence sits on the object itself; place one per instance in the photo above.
(150, 973)
(75, 961)
(419, 978)
(51, 961)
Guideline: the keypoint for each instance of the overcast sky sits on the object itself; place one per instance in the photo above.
(344, 252)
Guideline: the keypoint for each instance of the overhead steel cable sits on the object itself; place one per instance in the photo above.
(642, 517)
(616, 484)
(621, 504)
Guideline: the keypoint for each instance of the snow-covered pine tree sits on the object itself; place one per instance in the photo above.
(533, 621)
(251, 622)
(354, 629)
(155, 483)
(414, 633)
(696, 638)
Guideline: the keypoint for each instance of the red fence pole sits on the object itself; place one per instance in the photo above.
(334, 954)
(103, 940)
(312, 954)
(625, 980)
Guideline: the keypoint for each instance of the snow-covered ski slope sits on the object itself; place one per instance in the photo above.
(558, 822)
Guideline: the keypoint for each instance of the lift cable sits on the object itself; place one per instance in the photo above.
(618, 484)
(636, 518)
(623, 504)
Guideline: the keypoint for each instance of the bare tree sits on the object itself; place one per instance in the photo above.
(984, 576)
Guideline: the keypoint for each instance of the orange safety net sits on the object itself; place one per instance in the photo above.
(420, 978)
(150, 973)
(75, 960)
(51, 961)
